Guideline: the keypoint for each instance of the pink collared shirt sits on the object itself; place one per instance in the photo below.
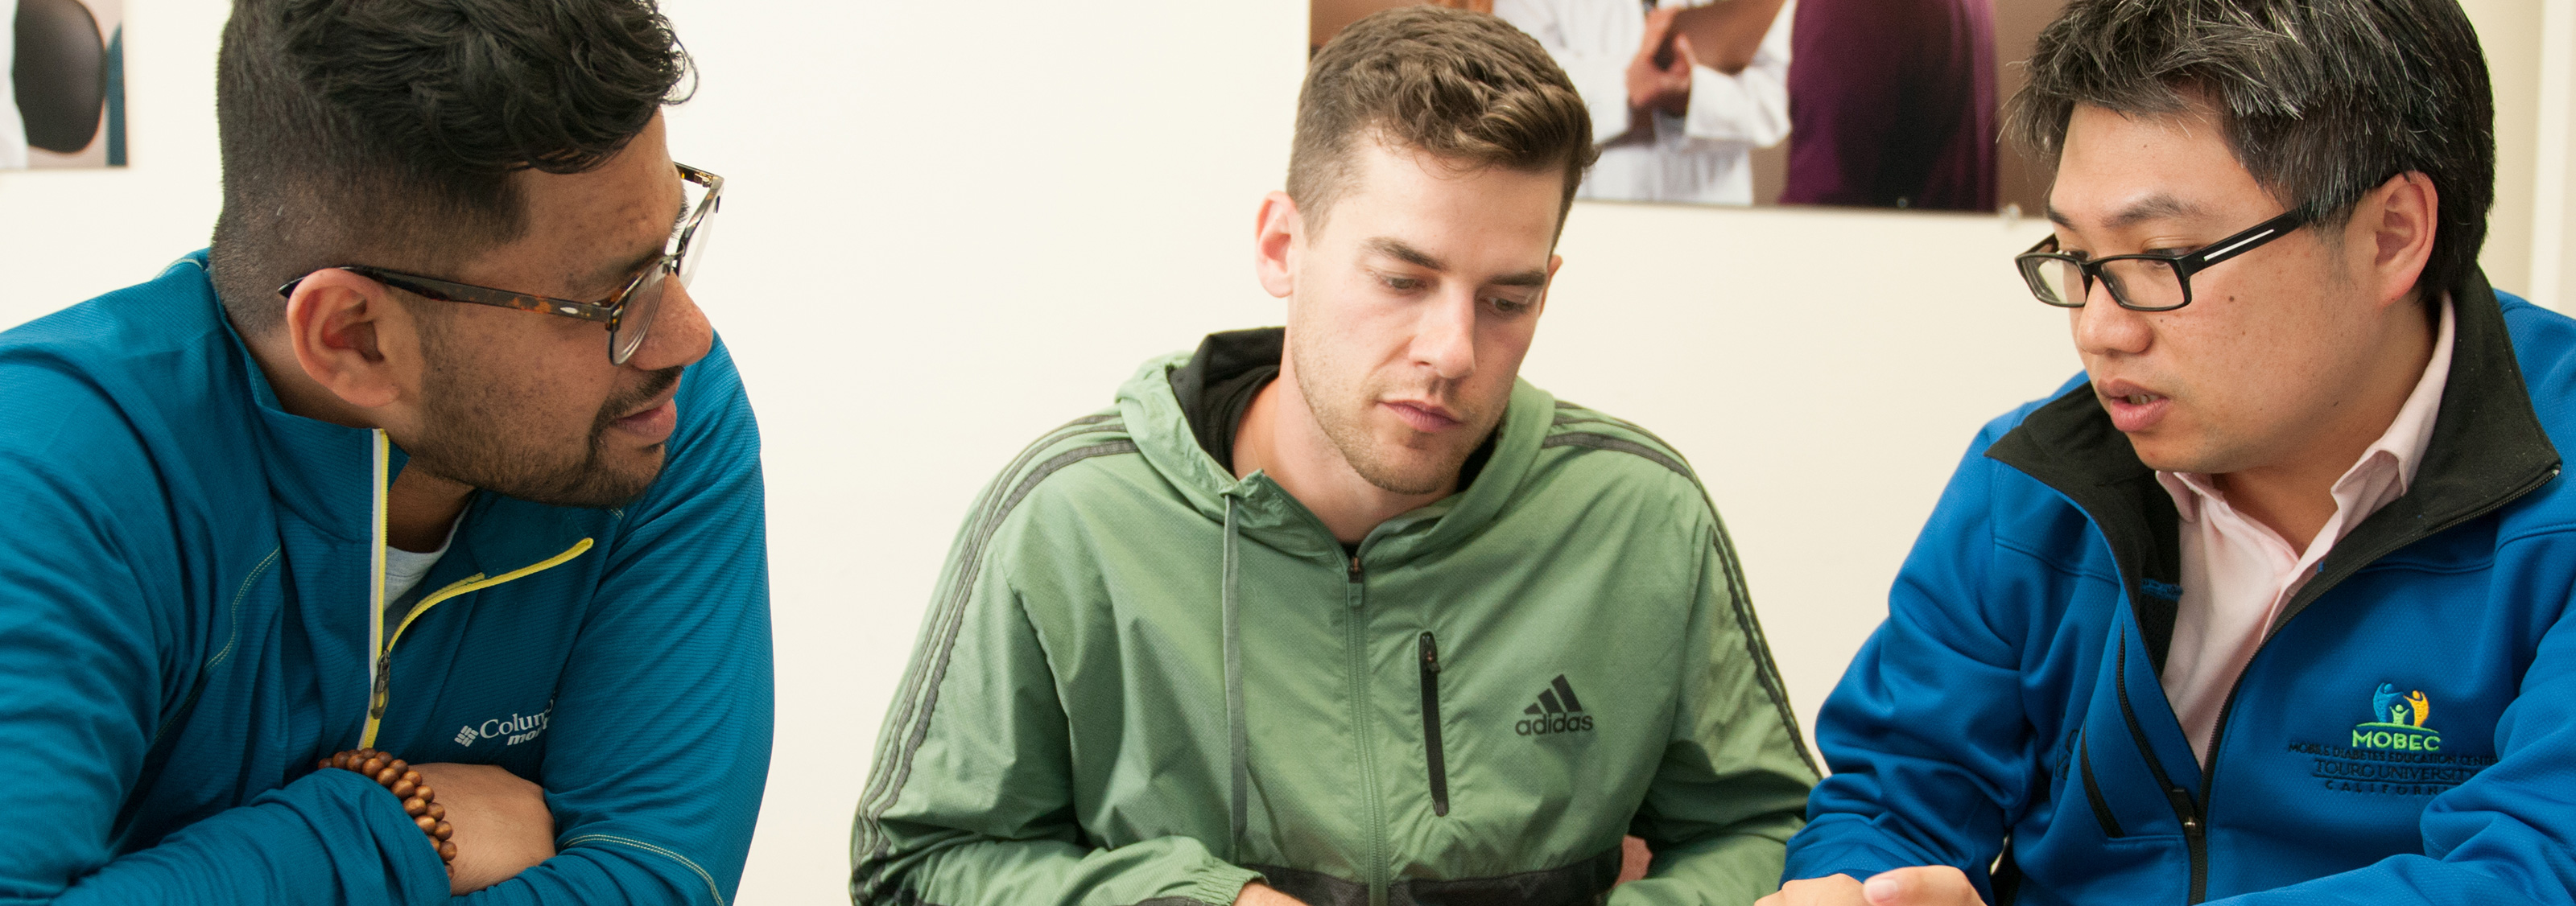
(2237, 572)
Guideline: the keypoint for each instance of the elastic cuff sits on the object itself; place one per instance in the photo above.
(1219, 886)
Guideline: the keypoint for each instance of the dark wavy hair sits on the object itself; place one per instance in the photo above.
(2323, 100)
(385, 131)
(1464, 86)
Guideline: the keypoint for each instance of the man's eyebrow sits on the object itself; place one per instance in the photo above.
(613, 277)
(1395, 248)
(2152, 207)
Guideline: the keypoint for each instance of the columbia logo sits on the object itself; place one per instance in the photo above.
(1557, 711)
(518, 728)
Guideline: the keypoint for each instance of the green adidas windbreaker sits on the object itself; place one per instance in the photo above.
(1142, 680)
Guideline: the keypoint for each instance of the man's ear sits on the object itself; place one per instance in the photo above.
(2396, 224)
(339, 325)
(1278, 235)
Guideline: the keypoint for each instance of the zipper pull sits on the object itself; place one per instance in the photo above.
(384, 678)
(2184, 807)
(1430, 654)
(1355, 567)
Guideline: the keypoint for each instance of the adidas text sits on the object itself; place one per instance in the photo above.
(1562, 723)
(1556, 711)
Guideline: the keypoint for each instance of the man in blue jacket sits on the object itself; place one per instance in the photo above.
(2271, 605)
(433, 454)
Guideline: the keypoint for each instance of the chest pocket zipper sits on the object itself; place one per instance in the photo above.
(2093, 790)
(1430, 660)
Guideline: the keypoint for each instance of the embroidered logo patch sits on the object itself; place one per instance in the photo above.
(2397, 723)
(2393, 752)
(513, 730)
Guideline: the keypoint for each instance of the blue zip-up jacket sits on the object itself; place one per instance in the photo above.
(2406, 734)
(190, 589)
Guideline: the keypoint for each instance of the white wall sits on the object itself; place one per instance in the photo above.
(949, 228)
(2553, 217)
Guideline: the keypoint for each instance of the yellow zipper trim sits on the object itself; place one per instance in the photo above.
(381, 451)
(475, 582)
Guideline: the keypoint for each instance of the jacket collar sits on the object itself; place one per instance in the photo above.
(320, 473)
(1165, 430)
(2488, 449)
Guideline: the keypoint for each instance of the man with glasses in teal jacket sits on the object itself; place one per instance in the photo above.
(1346, 612)
(2271, 604)
(408, 543)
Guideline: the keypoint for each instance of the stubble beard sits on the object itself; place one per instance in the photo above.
(472, 439)
(1342, 413)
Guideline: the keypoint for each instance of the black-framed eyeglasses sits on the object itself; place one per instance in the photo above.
(628, 312)
(2146, 282)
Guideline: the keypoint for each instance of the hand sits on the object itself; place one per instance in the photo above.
(1922, 885)
(1659, 76)
(1830, 890)
(1260, 894)
(502, 824)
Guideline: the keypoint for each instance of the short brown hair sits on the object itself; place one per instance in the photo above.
(1463, 86)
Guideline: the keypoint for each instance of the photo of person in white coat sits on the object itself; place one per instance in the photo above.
(1681, 91)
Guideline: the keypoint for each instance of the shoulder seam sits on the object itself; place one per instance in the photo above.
(978, 514)
(1757, 648)
(1623, 445)
(918, 699)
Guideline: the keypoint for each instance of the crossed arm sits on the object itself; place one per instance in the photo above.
(654, 763)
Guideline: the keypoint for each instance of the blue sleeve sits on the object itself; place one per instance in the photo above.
(2501, 837)
(89, 630)
(659, 745)
(1926, 735)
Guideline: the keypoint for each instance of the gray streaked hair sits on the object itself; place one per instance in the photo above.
(2323, 100)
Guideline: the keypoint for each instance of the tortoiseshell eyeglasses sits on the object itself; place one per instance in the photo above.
(628, 312)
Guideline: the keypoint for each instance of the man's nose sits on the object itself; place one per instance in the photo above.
(2102, 327)
(1445, 338)
(679, 334)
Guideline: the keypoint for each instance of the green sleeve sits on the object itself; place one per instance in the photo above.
(1733, 783)
(971, 797)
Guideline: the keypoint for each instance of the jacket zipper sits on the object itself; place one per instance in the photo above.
(381, 692)
(2093, 790)
(1354, 596)
(1430, 650)
(2186, 809)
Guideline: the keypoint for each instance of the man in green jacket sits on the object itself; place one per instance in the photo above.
(1346, 613)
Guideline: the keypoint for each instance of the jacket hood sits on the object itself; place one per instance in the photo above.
(1161, 428)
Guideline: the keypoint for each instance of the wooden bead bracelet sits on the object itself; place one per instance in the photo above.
(419, 801)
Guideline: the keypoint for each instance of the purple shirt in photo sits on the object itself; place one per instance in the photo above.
(1892, 104)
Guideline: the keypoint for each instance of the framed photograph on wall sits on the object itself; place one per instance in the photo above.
(1846, 103)
(62, 83)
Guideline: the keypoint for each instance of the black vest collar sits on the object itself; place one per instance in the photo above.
(2488, 448)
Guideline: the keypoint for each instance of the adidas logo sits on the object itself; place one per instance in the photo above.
(1557, 711)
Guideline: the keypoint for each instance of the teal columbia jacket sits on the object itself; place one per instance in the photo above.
(190, 615)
